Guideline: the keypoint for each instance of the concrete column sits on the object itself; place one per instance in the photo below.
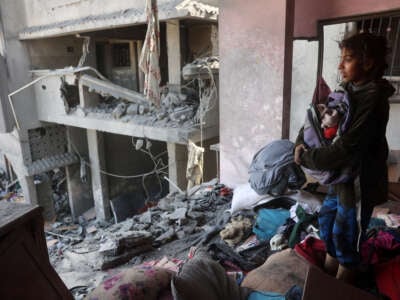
(79, 189)
(174, 52)
(139, 46)
(29, 189)
(99, 180)
(177, 154)
(45, 198)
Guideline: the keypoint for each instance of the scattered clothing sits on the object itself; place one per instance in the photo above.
(305, 206)
(229, 258)
(313, 250)
(295, 293)
(391, 220)
(244, 197)
(139, 282)
(278, 242)
(268, 222)
(302, 226)
(203, 278)
(238, 229)
(279, 273)
(265, 296)
(194, 170)
(380, 248)
(387, 277)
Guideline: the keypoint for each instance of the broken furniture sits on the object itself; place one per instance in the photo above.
(25, 271)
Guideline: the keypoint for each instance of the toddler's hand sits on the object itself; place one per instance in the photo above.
(298, 151)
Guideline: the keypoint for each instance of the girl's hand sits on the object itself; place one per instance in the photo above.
(298, 151)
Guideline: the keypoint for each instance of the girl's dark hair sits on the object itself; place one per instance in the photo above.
(369, 46)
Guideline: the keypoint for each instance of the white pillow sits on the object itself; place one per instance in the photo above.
(244, 197)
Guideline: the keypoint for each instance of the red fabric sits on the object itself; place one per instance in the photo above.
(321, 92)
(387, 276)
(313, 250)
(330, 132)
(379, 248)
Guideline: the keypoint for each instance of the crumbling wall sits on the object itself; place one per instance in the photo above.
(55, 53)
(200, 40)
(15, 68)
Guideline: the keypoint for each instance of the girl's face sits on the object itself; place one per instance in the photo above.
(351, 68)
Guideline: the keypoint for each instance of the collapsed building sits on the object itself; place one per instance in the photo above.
(75, 99)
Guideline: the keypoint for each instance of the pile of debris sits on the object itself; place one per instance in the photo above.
(178, 222)
(10, 190)
(180, 104)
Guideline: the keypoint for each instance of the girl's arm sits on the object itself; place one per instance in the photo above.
(349, 147)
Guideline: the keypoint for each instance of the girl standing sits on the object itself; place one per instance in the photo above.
(347, 208)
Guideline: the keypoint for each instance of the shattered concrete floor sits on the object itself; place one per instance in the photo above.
(84, 254)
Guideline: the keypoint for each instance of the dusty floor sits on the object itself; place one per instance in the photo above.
(84, 254)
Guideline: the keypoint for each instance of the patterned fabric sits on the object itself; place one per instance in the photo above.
(138, 283)
(339, 230)
(149, 58)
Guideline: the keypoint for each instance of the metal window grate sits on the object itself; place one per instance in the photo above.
(121, 55)
(388, 26)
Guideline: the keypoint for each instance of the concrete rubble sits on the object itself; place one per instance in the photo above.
(179, 104)
(176, 223)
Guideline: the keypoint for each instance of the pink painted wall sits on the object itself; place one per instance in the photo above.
(252, 46)
(308, 12)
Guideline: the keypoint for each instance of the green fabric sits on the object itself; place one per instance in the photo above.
(305, 219)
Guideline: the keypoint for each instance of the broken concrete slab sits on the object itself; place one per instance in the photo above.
(119, 111)
(110, 262)
(166, 236)
(90, 214)
(107, 88)
(91, 229)
(109, 248)
(118, 243)
(132, 239)
(178, 214)
(145, 217)
(51, 243)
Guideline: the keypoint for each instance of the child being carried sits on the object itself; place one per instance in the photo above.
(323, 125)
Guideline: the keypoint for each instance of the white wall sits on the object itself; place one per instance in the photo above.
(332, 35)
(304, 76)
(252, 47)
(393, 129)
